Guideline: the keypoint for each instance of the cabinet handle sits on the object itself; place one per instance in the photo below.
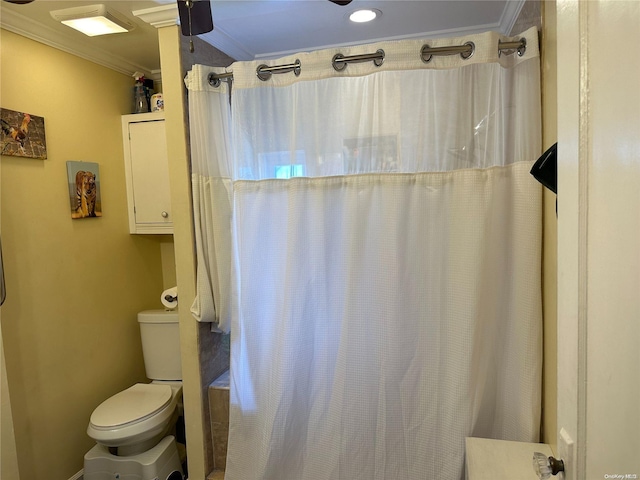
(546, 466)
(165, 214)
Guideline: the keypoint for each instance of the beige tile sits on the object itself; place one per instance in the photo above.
(219, 418)
(219, 404)
(220, 435)
(216, 475)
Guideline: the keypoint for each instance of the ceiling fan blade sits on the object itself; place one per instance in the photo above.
(341, 2)
(19, 2)
(195, 17)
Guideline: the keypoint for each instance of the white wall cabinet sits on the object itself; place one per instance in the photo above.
(147, 173)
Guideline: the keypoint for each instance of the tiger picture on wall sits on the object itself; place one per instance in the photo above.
(85, 194)
(84, 189)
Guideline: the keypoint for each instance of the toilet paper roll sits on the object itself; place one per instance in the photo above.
(169, 298)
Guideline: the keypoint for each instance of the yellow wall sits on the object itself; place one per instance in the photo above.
(74, 286)
(8, 456)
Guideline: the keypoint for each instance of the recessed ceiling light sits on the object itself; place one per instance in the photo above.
(364, 15)
(93, 20)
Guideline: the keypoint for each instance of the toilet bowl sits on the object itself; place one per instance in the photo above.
(131, 424)
(136, 419)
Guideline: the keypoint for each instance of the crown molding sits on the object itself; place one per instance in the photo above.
(21, 25)
(162, 16)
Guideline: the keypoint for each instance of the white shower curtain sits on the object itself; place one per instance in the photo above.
(372, 239)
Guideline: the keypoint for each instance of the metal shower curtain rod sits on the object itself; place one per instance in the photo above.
(340, 61)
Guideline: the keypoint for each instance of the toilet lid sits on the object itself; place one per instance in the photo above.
(133, 404)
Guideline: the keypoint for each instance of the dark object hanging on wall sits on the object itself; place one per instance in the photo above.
(195, 18)
(545, 170)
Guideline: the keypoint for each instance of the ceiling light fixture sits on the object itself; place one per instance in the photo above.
(93, 20)
(364, 15)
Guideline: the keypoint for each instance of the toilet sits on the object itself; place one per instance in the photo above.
(133, 429)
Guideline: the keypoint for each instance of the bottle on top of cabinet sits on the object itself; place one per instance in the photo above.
(147, 173)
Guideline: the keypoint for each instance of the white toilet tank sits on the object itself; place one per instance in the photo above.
(160, 333)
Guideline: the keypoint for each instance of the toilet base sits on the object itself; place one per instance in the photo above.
(162, 462)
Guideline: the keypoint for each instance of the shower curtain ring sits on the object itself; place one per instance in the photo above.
(213, 80)
(469, 53)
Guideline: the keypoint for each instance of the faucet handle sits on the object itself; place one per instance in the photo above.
(546, 466)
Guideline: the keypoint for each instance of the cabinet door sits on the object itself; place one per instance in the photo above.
(150, 173)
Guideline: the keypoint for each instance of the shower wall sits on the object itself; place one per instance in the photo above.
(213, 348)
(219, 407)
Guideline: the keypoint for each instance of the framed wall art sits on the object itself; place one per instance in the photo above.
(84, 189)
(22, 135)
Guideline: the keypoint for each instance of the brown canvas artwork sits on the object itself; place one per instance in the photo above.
(22, 135)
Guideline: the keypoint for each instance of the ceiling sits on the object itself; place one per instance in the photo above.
(248, 29)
